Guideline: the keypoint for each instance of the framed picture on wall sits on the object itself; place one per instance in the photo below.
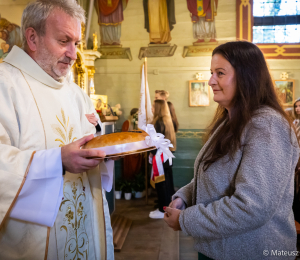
(198, 93)
(285, 89)
(99, 101)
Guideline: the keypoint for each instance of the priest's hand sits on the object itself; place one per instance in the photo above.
(171, 217)
(178, 203)
(76, 160)
(92, 119)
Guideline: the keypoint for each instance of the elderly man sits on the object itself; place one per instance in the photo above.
(52, 204)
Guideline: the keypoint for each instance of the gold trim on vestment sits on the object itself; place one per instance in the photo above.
(75, 217)
(94, 185)
(18, 192)
(104, 228)
(37, 108)
(63, 130)
(47, 243)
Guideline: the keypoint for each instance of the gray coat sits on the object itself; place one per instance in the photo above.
(237, 209)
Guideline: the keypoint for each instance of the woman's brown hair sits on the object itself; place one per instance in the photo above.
(173, 116)
(162, 115)
(254, 89)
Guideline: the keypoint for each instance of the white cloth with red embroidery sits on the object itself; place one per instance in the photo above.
(163, 150)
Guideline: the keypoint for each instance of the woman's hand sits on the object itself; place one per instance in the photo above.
(172, 218)
(178, 204)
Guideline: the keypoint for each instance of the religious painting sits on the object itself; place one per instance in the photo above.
(99, 101)
(198, 93)
(203, 14)
(110, 18)
(159, 20)
(285, 90)
(10, 35)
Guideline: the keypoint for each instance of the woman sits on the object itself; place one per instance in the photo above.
(163, 124)
(239, 203)
(297, 117)
(173, 116)
(296, 203)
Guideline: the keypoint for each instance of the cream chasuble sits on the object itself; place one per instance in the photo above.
(39, 113)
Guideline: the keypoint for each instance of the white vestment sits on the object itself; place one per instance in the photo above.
(68, 217)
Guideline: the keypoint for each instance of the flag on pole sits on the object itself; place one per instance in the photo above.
(145, 113)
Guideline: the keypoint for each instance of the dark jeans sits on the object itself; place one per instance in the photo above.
(203, 257)
(165, 189)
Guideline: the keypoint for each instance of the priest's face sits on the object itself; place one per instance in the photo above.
(56, 50)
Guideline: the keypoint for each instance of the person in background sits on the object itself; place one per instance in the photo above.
(290, 113)
(132, 122)
(173, 116)
(161, 94)
(239, 203)
(296, 203)
(163, 124)
(296, 122)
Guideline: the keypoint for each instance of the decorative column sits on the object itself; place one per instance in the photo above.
(91, 85)
(81, 72)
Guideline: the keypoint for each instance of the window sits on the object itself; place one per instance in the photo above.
(276, 21)
(274, 25)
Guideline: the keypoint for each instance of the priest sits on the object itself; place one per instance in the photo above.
(52, 202)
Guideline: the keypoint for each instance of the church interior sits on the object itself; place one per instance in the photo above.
(175, 44)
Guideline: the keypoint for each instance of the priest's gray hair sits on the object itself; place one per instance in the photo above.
(36, 14)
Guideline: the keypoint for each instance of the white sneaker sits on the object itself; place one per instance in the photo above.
(156, 214)
(154, 211)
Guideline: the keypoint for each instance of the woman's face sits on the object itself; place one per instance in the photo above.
(297, 108)
(222, 81)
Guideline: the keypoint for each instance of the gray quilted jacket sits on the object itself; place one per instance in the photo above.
(242, 209)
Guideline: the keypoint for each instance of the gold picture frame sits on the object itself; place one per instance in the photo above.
(285, 90)
(99, 101)
(199, 92)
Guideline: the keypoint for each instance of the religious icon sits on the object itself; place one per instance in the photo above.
(203, 14)
(10, 35)
(198, 93)
(99, 101)
(110, 17)
(285, 90)
(159, 20)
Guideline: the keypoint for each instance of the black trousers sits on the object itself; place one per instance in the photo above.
(165, 189)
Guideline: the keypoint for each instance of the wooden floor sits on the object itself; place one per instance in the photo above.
(151, 239)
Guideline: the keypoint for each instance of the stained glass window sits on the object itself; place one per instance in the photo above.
(276, 21)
